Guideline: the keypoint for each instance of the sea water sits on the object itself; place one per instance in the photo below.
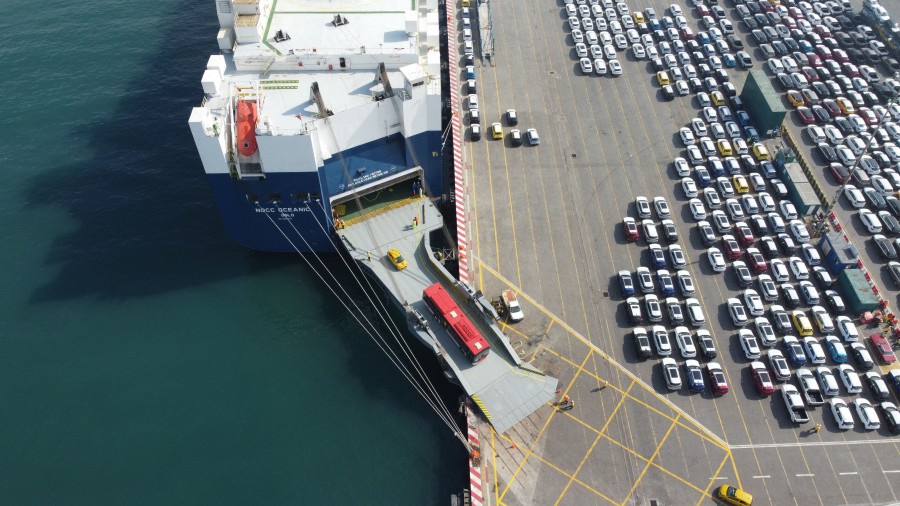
(144, 357)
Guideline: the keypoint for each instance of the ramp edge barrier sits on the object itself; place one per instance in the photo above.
(525, 367)
(476, 482)
(459, 177)
(483, 408)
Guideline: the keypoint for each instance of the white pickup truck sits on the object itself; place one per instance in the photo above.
(512, 305)
(794, 404)
(810, 387)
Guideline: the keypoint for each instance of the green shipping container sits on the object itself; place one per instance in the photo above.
(762, 102)
(856, 291)
(800, 190)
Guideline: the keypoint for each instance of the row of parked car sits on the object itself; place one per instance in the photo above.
(659, 340)
(599, 30)
(804, 263)
(829, 79)
(691, 61)
(730, 143)
(516, 136)
(781, 233)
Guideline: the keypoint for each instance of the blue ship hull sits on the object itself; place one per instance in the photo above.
(284, 211)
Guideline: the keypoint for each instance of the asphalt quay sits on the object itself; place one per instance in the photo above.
(545, 221)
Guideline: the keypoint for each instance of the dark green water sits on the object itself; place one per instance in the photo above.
(144, 358)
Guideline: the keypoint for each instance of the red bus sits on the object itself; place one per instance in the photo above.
(444, 308)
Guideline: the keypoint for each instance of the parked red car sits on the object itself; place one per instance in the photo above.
(762, 379)
(883, 349)
(805, 115)
(756, 261)
(744, 234)
(629, 226)
(731, 247)
(717, 381)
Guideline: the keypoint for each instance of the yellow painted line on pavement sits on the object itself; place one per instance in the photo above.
(631, 451)
(654, 464)
(529, 453)
(551, 139)
(496, 474)
(505, 326)
(667, 416)
(704, 494)
(577, 469)
(541, 432)
(613, 414)
(596, 439)
(637, 455)
(562, 186)
(650, 461)
(737, 475)
(490, 170)
(512, 216)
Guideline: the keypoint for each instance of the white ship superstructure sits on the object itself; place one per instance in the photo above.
(313, 101)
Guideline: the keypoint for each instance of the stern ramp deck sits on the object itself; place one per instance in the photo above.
(504, 387)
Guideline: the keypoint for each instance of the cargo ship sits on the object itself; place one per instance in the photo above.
(312, 104)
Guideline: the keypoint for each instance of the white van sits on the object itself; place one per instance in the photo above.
(467, 34)
(468, 48)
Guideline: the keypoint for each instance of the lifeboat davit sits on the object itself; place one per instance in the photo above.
(246, 127)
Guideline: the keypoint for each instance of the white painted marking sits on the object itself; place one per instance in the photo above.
(763, 476)
(848, 473)
(720, 478)
(890, 470)
(805, 475)
(812, 443)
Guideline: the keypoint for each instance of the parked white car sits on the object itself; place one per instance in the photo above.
(870, 221)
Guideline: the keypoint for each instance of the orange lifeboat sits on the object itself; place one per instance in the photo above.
(246, 127)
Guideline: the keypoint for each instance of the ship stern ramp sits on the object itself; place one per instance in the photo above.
(505, 388)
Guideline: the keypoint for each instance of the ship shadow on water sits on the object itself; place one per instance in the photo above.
(145, 222)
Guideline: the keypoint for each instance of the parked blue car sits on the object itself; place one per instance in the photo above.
(794, 352)
(729, 61)
(751, 134)
(694, 376)
(703, 179)
(666, 285)
(626, 284)
(836, 350)
(657, 256)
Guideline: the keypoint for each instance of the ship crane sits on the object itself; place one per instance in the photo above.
(382, 77)
(316, 96)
